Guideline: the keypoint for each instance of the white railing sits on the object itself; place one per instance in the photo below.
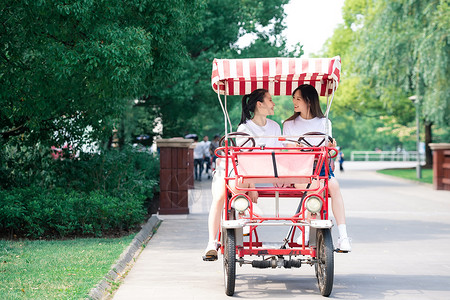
(385, 156)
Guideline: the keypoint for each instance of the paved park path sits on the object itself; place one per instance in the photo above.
(401, 249)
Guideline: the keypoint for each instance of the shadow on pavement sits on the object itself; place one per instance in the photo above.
(380, 230)
(351, 286)
(276, 286)
(380, 286)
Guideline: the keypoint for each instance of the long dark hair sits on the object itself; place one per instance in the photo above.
(249, 104)
(309, 94)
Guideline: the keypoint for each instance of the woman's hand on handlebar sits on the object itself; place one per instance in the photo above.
(332, 144)
(253, 196)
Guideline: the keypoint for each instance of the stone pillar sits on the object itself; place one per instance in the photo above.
(441, 165)
(175, 175)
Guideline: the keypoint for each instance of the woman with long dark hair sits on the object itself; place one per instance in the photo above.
(308, 117)
(255, 109)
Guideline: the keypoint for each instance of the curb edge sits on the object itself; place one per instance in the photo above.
(100, 291)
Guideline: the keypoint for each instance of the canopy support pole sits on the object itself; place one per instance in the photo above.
(228, 116)
(329, 107)
(225, 111)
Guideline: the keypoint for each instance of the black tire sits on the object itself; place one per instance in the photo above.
(325, 261)
(229, 261)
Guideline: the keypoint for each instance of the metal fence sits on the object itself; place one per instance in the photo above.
(386, 156)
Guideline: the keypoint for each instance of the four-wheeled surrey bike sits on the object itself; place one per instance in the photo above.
(287, 173)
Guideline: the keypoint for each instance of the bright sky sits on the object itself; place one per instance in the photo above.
(311, 22)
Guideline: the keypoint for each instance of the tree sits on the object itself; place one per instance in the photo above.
(355, 107)
(189, 104)
(69, 65)
(83, 63)
(391, 50)
(405, 53)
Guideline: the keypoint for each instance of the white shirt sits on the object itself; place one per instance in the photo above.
(198, 151)
(270, 129)
(300, 126)
(206, 152)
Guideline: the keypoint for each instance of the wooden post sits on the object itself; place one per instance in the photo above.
(175, 175)
(441, 165)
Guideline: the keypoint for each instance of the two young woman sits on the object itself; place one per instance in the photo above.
(307, 117)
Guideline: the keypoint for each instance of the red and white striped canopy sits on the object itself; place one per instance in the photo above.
(280, 76)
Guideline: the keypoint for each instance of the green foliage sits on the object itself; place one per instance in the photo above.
(411, 174)
(354, 11)
(384, 61)
(66, 66)
(406, 52)
(113, 172)
(91, 195)
(71, 72)
(189, 105)
(22, 165)
(38, 213)
(118, 173)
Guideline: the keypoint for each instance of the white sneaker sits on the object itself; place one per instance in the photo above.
(343, 245)
(210, 252)
(299, 239)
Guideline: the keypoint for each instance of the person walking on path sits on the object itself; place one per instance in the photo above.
(198, 159)
(341, 159)
(207, 154)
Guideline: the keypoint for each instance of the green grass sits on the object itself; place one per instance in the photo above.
(66, 269)
(427, 174)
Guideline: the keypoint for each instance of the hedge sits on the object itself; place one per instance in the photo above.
(36, 213)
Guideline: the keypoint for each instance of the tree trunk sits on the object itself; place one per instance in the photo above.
(428, 140)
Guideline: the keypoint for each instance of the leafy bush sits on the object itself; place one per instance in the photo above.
(36, 213)
(24, 165)
(112, 171)
(89, 195)
(115, 172)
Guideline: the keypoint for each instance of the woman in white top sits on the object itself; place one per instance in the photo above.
(255, 109)
(254, 119)
(308, 117)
